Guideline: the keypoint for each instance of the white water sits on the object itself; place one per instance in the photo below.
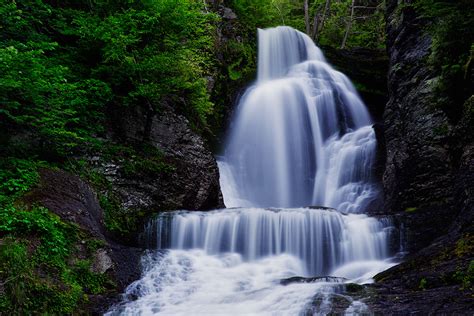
(322, 239)
(194, 283)
(300, 136)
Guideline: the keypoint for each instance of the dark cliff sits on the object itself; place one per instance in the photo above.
(427, 150)
(367, 69)
(429, 175)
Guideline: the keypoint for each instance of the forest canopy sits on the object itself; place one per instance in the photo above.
(63, 63)
(337, 23)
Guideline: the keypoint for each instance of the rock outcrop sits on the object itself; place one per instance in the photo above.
(74, 201)
(192, 181)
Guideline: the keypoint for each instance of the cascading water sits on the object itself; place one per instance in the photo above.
(300, 136)
(322, 239)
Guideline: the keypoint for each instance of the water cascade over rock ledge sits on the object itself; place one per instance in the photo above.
(300, 136)
(322, 239)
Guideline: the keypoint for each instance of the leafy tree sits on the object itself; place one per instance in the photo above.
(326, 21)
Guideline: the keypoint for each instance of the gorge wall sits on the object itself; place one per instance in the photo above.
(429, 154)
(429, 175)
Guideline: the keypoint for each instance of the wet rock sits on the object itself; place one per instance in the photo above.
(428, 182)
(299, 279)
(101, 262)
(229, 14)
(421, 171)
(315, 207)
(353, 288)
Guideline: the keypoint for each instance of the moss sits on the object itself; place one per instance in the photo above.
(145, 166)
(364, 89)
(469, 107)
(133, 162)
(91, 283)
(119, 221)
(466, 278)
(442, 130)
(465, 246)
(93, 244)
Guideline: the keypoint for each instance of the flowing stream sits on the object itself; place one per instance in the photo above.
(300, 136)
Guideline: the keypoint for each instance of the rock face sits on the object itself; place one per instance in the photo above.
(70, 198)
(421, 169)
(193, 181)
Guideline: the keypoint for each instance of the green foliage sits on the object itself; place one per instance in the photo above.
(411, 209)
(244, 56)
(269, 13)
(37, 97)
(452, 50)
(38, 221)
(17, 176)
(32, 287)
(90, 282)
(368, 27)
(64, 65)
(36, 250)
(466, 278)
(423, 283)
(154, 51)
(35, 256)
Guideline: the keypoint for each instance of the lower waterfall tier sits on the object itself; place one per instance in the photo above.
(323, 239)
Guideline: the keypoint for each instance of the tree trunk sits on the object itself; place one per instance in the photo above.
(314, 33)
(323, 18)
(306, 17)
(349, 25)
(150, 114)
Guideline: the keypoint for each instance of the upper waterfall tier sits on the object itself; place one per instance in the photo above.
(282, 47)
(301, 135)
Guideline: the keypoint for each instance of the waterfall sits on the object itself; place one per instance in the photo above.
(242, 262)
(300, 136)
(322, 239)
